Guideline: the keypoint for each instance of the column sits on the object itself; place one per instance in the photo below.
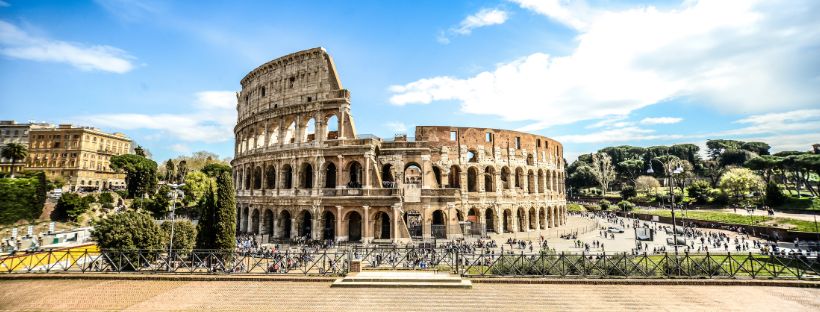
(395, 226)
(366, 235)
(339, 216)
(366, 180)
(294, 230)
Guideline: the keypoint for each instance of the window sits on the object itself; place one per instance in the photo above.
(488, 137)
(517, 142)
(263, 91)
(453, 135)
(538, 143)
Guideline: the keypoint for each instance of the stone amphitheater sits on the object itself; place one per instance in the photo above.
(302, 171)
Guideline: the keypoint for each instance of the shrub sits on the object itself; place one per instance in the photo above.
(628, 192)
(604, 204)
(127, 231)
(121, 193)
(626, 205)
(774, 196)
(699, 191)
(575, 208)
(184, 235)
(719, 197)
(71, 206)
(22, 197)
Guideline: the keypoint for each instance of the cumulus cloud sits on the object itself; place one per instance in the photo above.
(804, 120)
(211, 120)
(17, 43)
(660, 120)
(482, 18)
(624, 134)
(736, 56)
(575, 14)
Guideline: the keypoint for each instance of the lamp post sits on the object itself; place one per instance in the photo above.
(174, 192)
(669, 173)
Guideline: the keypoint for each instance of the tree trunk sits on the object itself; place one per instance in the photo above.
(13, 161)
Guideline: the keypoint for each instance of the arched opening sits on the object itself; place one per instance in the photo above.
(354, 226)
(247, 179)
(245, 216)
(355, 172)
(306, 179)
(257, 178)
(489, 220)
(290, 133)
(412, 174)
(506, 224)
(505, 178)
(540, 181)
(489, 179)
(330, 175)
(542, 218)
(530, 182)
(530, 161)
(310, 131)
(329, 229)
(533, 219)
(284, 224)
(270, 178)
(332, 132)
(387, 176)
(437, 175)
(267, 225)
(287, 177)
(472, 156)
(522, 219)
(439, 226)
(519, 177)
(381, 226)
(454, 177)
(273, 138)
(305, 224)
(254, 222)
(472, 179)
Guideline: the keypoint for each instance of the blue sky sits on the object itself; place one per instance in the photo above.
(588, 73)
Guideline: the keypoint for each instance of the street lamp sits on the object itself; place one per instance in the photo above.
(174, 193)
(670, 173)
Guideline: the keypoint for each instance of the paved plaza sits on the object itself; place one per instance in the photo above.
(98, 295)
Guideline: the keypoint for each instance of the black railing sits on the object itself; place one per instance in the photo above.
(475, 263)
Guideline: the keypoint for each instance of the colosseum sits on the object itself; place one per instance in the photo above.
(301, 170)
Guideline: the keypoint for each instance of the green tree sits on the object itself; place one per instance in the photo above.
(630, 169)
(759, 148)
(735, 157)
(160, 203)
(107, 200)
(581, 177)
(740, 182)
(140, 151)
(170, 171)
(699, 191)
(127, 231)
(765, 165)
(628, 192)
(182, 171)
(717, 147)
(774, 196)
(626, 205)
(646, 184)
(603, 170)
(206, 227)
(196, 183)
(16, 152)
(140, 173)
(184, 235)
(22, 197)
(215, 169)
(71, 206)
(225, 220)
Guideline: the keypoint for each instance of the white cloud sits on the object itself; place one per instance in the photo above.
(181, 148)
(575, 14)
(736, 56)
(660, 120)
(212, 120)
(482, 18)
(398, 127)
(16, 43)
(804, 120)
(624, 134)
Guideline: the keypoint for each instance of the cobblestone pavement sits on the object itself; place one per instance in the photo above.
(95, 295)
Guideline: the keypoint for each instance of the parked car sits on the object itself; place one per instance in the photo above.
(615, 229)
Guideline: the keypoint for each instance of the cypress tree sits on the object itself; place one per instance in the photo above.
(206, 226)
(225, 216)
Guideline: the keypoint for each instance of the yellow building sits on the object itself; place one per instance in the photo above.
(13, 132)
(81, 155)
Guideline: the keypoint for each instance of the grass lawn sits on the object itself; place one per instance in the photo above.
(732, 218)
(805, 203)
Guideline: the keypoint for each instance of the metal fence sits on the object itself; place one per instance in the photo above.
(453, 260)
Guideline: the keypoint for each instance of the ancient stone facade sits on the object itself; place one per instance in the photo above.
(302, 171)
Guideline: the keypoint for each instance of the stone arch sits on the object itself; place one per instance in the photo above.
(382, 225)
(541, 181)
(530, 182)
(283, 224)
(413, 174)
(454, 177)
(355, 172)
(522, 219)
(289, 132)
(507, 221)
(267, 223)
(304, 222)
(437, 176)
(505, 178)
(332, 126)
(243, 225)
(329, 225)
(330, 175)
(287, 177)
(354, 226)
(247, 179)
(273, 137)
(472, 179)
(306, 176)
(519, 178)
(254, 221)
(489, 220)
(439, 224)
(533, 218)
(542, 218)
(270, 177)
(472, 156)
(309, 133)
(388, 181)
(489, 179)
